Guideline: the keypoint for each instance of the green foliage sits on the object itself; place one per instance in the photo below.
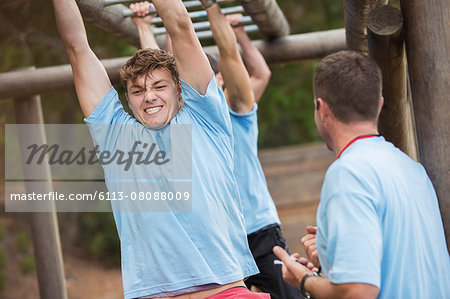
(21, 242)
(3, 275)
(100, 235)
(2, 259)
(2, 232)
(286, 110)
(27, 264)
(3, 278)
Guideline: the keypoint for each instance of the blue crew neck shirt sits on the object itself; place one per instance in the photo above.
(165, 252)
(257, 204)
(379, 223)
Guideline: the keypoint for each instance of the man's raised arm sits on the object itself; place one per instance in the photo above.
(192, 64)
(236, 79)
(254, 61)
(90, 77)
(143, 22)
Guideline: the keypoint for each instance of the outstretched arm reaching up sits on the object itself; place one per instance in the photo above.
(90, 77)
(238, 89)
(143, 23)
(254, 61)
(192, 64)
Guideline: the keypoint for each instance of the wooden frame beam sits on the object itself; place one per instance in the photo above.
(355, 16)
(268, 16)
(109, 19)
(283, 50)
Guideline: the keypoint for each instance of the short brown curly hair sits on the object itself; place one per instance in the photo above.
(145, 61)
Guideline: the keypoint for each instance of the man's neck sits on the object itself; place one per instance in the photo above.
(345, 133)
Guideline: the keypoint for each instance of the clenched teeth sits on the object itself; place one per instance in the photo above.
(153, 110)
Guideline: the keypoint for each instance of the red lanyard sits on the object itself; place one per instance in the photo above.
(357, 138)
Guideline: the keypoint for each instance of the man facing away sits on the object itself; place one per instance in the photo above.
(379, 229)
(197, 254)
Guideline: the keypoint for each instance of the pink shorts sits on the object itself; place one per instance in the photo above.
(239, 293)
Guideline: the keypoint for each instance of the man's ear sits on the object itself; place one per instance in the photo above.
(322, 107)
(381, 104)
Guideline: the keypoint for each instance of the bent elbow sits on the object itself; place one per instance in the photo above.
(267, 74)
(76, 46)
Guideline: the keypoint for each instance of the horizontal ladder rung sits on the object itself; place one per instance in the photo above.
(193, 14)
(198, 26)
(208, 34)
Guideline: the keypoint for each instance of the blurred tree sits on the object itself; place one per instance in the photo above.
(286, 113)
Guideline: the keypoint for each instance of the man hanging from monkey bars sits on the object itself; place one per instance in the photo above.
(202, 253)
(243, 91)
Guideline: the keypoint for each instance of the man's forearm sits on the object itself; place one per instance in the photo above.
(222, 32)
(192, 64)
(255, 62)
(70, 25)
(89, 75)
(174, 15)
(168, 46)
(240, 97)
(322, 288)
(146, 36)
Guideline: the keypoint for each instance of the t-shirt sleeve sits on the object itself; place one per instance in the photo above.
(354, 239)
(108, 121)
(245, 119)
(210, 110)
(109, 111)
(245, 128)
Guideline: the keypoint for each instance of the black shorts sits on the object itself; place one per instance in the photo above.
(270, 279)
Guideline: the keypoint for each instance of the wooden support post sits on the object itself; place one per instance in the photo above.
(386, 47)
(268, 16)
(44, 226)
(355, 16)
(287, 49)
(428, 51)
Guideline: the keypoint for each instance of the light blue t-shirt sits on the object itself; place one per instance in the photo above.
(257, 204)
(379, 223)
(163, 252)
